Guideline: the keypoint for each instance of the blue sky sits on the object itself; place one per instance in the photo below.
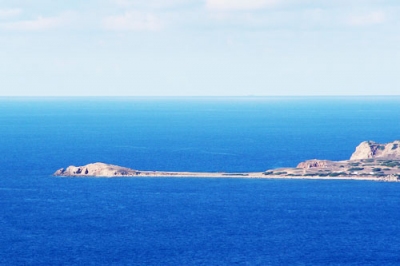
(199, 47)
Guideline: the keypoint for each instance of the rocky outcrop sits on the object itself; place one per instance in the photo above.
(391, 178)
(371, 149)
(313, 164)
(96, 169)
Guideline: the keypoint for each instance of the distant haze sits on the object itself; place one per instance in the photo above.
(199, 47)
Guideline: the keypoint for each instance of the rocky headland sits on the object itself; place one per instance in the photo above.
(370, 161)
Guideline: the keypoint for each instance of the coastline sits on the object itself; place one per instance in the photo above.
(244, 175)
(371, 161)
(262, 176)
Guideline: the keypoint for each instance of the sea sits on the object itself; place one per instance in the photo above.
(47, 220)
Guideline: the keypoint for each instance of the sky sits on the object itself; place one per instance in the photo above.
(199, 47)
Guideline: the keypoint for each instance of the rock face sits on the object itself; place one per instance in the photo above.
(313, 164)
(96, 169)
(371, 149)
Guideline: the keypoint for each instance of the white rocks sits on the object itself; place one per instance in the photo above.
(96, 169)
(371, 149)
(391, 178)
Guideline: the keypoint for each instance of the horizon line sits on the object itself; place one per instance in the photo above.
(193, 96)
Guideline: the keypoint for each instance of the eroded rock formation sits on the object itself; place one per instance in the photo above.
(371, 149)
(313, 164)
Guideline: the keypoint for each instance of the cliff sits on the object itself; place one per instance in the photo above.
(371, 149)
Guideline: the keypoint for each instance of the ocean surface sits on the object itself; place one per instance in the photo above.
(48, 220)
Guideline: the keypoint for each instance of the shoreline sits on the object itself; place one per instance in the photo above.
(244, 175)
(371, 162)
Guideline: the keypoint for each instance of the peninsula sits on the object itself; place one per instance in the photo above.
(370, 161)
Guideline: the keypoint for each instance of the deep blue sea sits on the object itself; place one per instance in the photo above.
(48, 220)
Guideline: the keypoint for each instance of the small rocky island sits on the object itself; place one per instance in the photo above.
(109, 170)
(370, 161)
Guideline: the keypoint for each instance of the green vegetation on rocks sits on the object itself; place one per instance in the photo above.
(356, 169)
